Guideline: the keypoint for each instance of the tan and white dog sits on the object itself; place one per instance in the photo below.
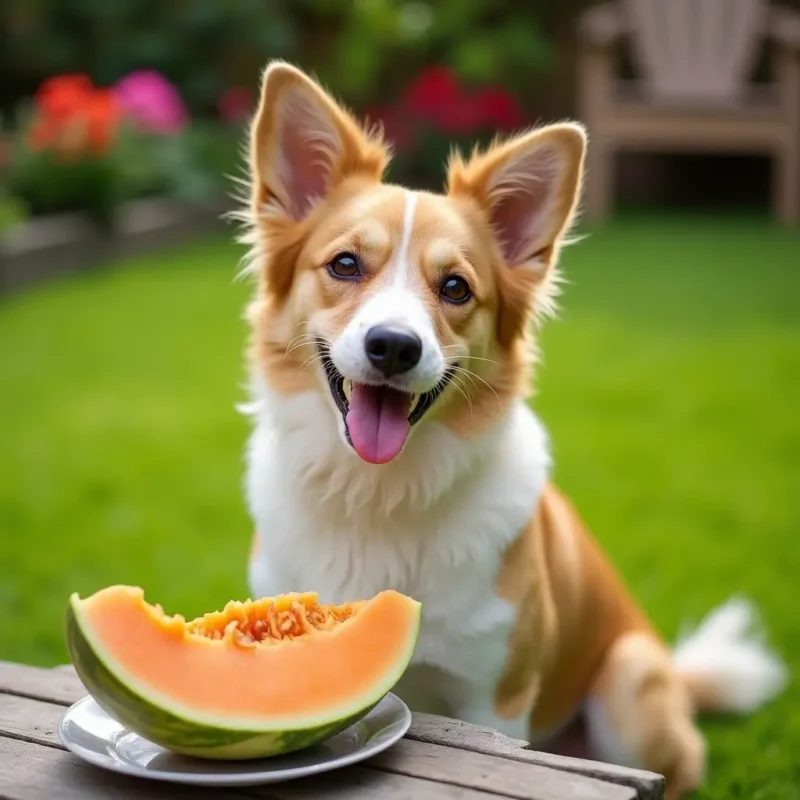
(394, 447)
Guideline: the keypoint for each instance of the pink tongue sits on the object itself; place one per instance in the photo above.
(378, 422)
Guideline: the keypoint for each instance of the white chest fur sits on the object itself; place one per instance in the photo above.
(435, 525)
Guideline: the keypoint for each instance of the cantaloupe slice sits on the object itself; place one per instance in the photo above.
(255, 679)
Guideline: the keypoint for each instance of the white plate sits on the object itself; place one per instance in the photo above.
(92, 735)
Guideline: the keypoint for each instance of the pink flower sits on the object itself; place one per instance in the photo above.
(151, 102)
(235, 104)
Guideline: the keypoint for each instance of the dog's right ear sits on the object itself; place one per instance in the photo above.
(302, 144)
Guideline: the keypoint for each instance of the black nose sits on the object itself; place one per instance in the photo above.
(392, 349)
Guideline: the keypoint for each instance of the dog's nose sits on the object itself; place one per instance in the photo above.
(392, 349)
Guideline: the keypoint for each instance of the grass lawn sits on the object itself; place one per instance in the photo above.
(671, 385)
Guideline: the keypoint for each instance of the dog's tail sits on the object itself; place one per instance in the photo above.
(725, 663)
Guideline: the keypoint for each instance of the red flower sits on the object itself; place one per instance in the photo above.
(102, 115)
(462, 117)
(432, 90)
(498, 108)
(73, 117)
(63, 95)
(235, 104)
(437, 96)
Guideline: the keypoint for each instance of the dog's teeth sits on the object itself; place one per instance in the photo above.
(347, 386)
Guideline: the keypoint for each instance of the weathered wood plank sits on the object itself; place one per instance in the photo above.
(358, 783)
(492, 773)
(30, 720)
(35, 721)
(454, 733)
(60, 685)
(477, 739)
(32, 772)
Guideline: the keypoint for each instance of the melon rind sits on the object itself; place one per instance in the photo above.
(195, 734)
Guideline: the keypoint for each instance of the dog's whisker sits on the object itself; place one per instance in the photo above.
(304, 336)
(470, 376)
(466, 380)
(464, 370)
(316, 358)
(452, 359)
(300, 340)
(309, 323)
(295, 344)
(459, 388)
(487, 360)
(304, 340)
(312, 358)
(466, 389)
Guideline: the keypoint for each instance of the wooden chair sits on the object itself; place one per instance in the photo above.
(695, 59)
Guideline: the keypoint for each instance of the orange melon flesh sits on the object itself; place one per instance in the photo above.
(286, 658)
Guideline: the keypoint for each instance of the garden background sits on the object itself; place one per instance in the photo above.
(670, 382)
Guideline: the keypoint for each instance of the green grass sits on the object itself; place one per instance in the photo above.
(671, 385)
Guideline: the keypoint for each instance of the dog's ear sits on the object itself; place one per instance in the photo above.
(302, 144)
(527, 189)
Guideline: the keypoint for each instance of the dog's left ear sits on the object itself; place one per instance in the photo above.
(528, 188)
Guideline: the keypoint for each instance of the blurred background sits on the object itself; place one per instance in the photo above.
(670, 383)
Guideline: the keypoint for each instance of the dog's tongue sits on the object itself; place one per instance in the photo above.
(378, 422)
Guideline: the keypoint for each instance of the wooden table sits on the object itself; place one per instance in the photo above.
(440, 759)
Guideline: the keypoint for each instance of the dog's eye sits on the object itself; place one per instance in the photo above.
(455, 290)
(345, 266)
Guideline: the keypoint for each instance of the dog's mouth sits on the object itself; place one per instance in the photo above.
(377, 419)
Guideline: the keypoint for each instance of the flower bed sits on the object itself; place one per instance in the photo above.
(99, 171)
(80, 147)
(131, 152)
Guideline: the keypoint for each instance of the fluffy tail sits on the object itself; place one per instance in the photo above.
(726, 664)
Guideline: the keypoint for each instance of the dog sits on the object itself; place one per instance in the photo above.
(392, 352)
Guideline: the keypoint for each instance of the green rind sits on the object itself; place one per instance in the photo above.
(179, 733)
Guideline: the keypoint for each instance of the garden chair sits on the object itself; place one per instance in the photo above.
(695, 60)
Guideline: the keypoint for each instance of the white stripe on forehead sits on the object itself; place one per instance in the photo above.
(402, 267)
(394, 300)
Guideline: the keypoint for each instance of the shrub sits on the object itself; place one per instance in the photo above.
(361, 50)
(200, 45)
(63, 157)
(12, 211)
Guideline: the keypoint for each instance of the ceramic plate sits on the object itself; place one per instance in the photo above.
(92, 735)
